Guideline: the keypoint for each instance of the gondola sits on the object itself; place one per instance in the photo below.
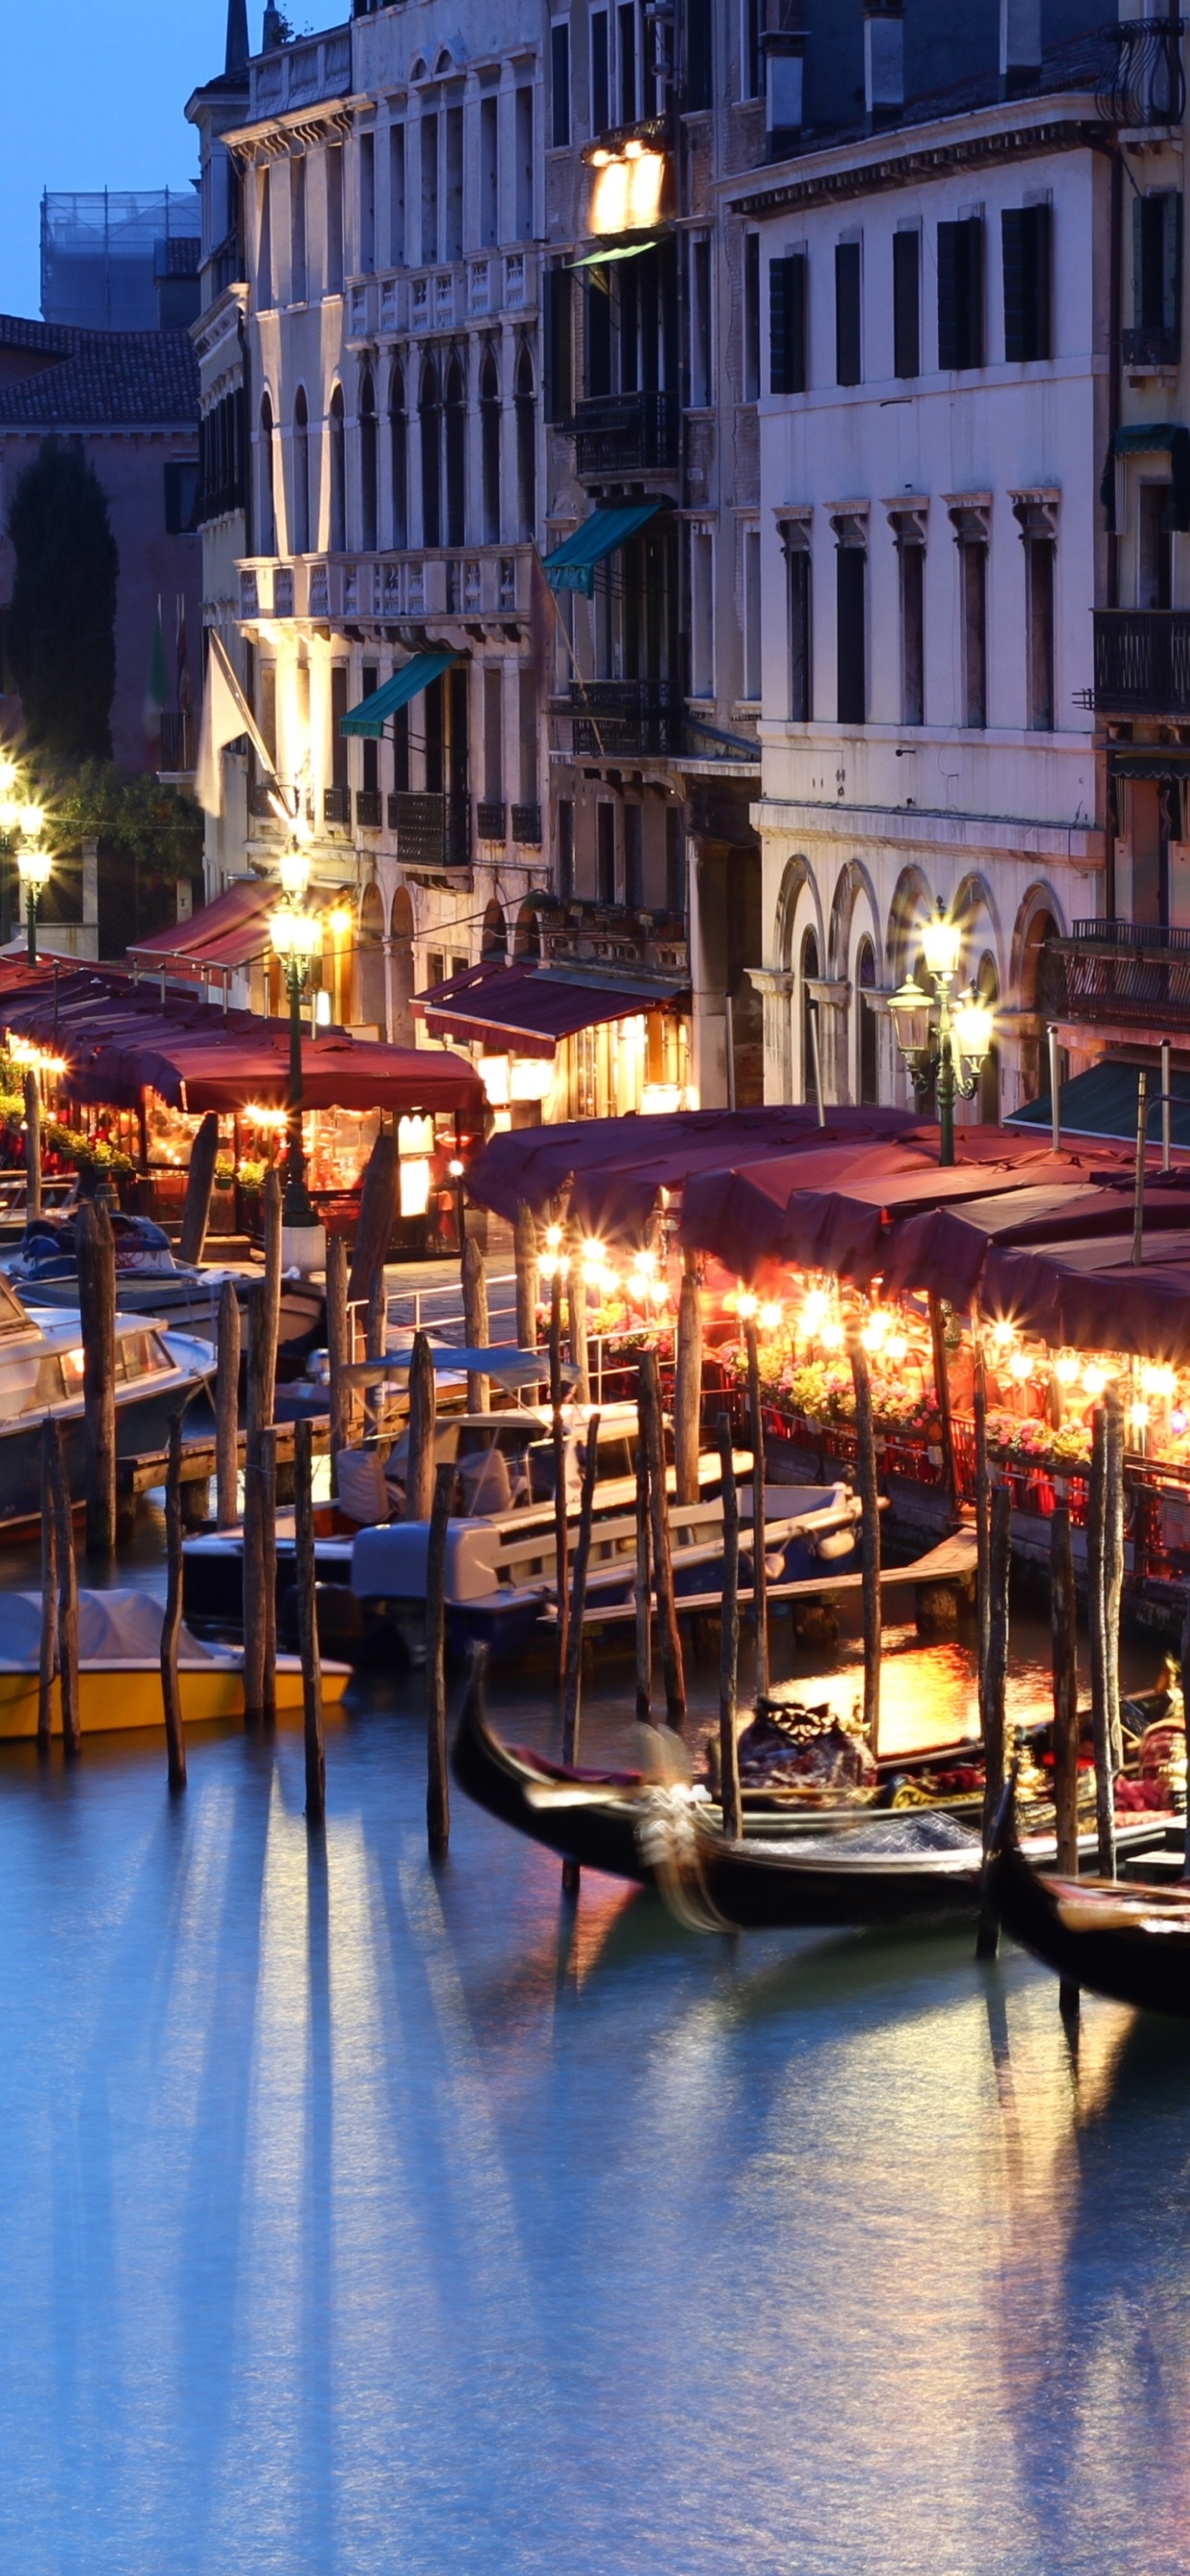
(895, 1868)
(1130, 1943)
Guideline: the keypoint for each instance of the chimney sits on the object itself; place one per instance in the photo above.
(1020, 47)
(884, 62)
(236, 54)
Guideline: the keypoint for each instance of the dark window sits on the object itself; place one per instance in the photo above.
(523, 126)
(913, 677)
(452, 212)
(699, 91)
(565, 847)
(1025, 233)
(431, 459)
(973, 559)
(297, 229)
(848, 368)
(367, 465)
(751, 316)
(605, 853)
(400, 724)
(787, 324)
(268, 508)
(396, 196)
(601, 116)
(559, 344)
(810, 1030)
(456, 436)
(181, 497)
(399, 457)
(675, 863)
(371, 750)
(489, 448)
(1155, 547)
(1039, 557)
(702, 381)
(560, 76)
(597, 373)
(338, 520)
(868, 1066)
(801, 694)
(750, 66)
(334, 219)
(526, 447)
(1157, 262)
(626, 27)
(851, 566)
(429, 188)
(906, 305)
(367, 204)
(338, 711)
(634, 866)
(301, 473)
(960, 293)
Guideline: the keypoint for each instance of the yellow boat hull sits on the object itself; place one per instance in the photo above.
(115, 1697)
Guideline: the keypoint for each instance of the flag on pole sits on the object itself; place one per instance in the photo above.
(226, 715)
(156, 684)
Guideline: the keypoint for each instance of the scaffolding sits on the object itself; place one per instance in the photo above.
(106, 256)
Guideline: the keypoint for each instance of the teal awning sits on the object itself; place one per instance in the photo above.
(1150, 438)
(572, 565)
(622, 250)
(371, 715)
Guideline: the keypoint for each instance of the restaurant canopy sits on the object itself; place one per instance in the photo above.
(526, 1009)
(943, 1252)
(228, 933)
(616, 1166)
(119, 1041)
(1090, 1296)
(834, 1216)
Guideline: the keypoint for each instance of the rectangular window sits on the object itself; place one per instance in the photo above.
(851, 564)
(626, 64)
(429, 189)
(367, 204)
(565, 847)
(396, 196)
(560, 82)
(489, 171)
(493, 735)
(751, 21)
(597, 355)
(973, 560)
(527, 732)
(297, 229)
(702, 613)
(452, 245)
(181, 497)
(264, 241)
(751, 317)
(334, 219)
(913, 670)
(338, 711)
(848, 366)
(1039, 554)
(601, 113)
(960, 293)
(435, 968)
(1156, 277)
(559, 344)
(1154, 568)
(400, 724)
(701, 357)
(675, 863)
(605, 853)
(907, 303)
(524, 165)
(699, 55)
(801, 695)
(634, 861)
(1025, 243)
(752, 613)
(787, 324)
(268, 708)
(368, 678)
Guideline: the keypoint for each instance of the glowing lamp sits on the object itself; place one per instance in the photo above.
(33, 869)
(973, 1026)
(896, 1347)
(1094, 1380)
(608, 1282)
(553, 1238)
(1066, 1368)
(815, 1309)
(832, 1337)
(340, 922)
(8, 774)
(746, 1305)
(1003, 1332)
(1138, 1414)
(638, 1286)
(770, 1315)
(455, 1168)
(1020, 1366)
(31, 819)
(941, 943)
(1158, 1381)
(296, 936)
(910, 1008)
(294, 872)
(1178, 1420)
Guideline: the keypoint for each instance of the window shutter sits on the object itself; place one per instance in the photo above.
(848, 337)
(1012, 229)
(559, 381)
(851, 563)
(972, 249)
(787, 324)
(1172, 280)
(948, 313)
(960, 293)
(906, 304)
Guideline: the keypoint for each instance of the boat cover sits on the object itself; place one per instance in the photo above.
(114, 1628)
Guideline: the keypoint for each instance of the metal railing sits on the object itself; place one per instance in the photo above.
(1147, 85)
(526, 826)
(177, 743)
(336, 805)
(433, 831)
(1151, 344)
(630, 433)
(1142, 661)
(489, 819)
(1118, 976)
(622, 719)
(369, 808)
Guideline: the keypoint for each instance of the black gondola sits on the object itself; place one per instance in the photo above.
(1130, 1943)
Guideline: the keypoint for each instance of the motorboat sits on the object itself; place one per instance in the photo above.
(41, 1373)
(120, 1669)
(57, 1194)
(150, 1280)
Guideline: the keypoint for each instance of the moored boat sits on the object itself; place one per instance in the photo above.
(120, 1669)
(1130, 1943)
(150, 1280)
(41, 1372)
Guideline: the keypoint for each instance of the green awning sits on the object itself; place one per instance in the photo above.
(572, 565)
(371, 715)
(622, 250)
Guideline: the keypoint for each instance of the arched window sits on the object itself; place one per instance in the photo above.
(398, 457)
(456, 436)
(489, 439)
(268, 508)
(527, 936)
(370, 961)
(431, 463)
(338, 474)
(493, 945)
(987, 1098)
(301, 474)
(367, 464)
(526, 448)
(401, 935)
(810, 972)
(867, 1047)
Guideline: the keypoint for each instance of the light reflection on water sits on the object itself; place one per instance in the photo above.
(365, 2218)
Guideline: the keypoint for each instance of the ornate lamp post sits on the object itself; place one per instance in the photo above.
(296, 936)
(33, 868)
(940, 1035)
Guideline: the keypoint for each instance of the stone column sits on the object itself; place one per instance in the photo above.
(776, 985)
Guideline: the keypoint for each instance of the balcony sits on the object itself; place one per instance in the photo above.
(336, 805)
(526, 826)
(433, 832)
(178, 745)
(369, 808)
(617, 434)
(1155, 344)
(489, 820)
(1142, 662)
(1148, 85)
(626, 719)
(1116, 975)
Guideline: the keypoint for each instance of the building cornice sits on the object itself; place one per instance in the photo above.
(1004, 836)
(828, 177)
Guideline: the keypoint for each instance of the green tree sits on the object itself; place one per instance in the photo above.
(62, 621)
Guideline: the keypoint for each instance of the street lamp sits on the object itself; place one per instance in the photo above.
(296, 938)
(33, 868)
(939, 1035)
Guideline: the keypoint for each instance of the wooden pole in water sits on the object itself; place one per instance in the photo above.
(571, 1712)
(268, 1538)
(644, 1602)
(48, 1662)
(942, 1388)
(1000, 1566)
(254, 1562)
(865, 1447)
(1113, 1568)
(1105, 1814)
(305, 1567)
(423, 1403)
(525, 1262)
(476, 1329)
(438, 1778)
(729, 1641)
(983, 1514)
(32, 1146)
(68, 1602)
(338, 1350)
(1064, 1613)
(576, 1308)
(760, 1571)
(227, 1410)
(673, 1671)
(688, 1388)
(97, 1314)
(561, 1584)
(271, 1218)
(171, 1625)
(377, 1214)
(200, 1181)
(376, 1325)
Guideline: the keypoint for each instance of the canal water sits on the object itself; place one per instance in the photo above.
(364, 2217)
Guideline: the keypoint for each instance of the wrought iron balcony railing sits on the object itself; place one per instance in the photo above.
(1147, 85)
(433, 831)
(1142, 661)
(1154, 344)
(178, 743)
(489, 819)
(336, 805)
(626, 719)
(625, 434)
(526, 826)
(1117, 974)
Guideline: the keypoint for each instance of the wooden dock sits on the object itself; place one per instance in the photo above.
(139, 1474)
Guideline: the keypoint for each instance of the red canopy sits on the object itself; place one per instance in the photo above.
(1091, 1296)
(617, 1165)
(227, 933)
(526, 1008)
(945, 1250)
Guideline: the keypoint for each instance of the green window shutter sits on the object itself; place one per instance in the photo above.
(787, 324)
(949, 343)
(1012, 236)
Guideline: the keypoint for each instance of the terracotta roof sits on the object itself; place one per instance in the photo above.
(104, 377)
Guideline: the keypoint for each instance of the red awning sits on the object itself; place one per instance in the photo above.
(617, 1165)
(945, 1250)
(526, 1009)
(230, 932)
(1090, 1297)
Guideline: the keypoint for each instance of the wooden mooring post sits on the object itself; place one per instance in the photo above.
(305, 1568)
(171, 1625)
(271, 1221)
(438, 1775)
(68, 1603)
(423, 1416)
(731, 1801)
(1097, 1507)
(338, 1350)
(47, 1669)
(572, 1705)
(1000, 1568)
(760, 1570)
(1064, 1622)
(524, 1253)
(1113, 1571)
(983, 1524)
(476, 1329)
(32, 1087)
(644, 1587)
(558, 1434)
(259, 1573)
(869, 1495)
(200, 1181)
(377, 1214)
(97, 1318)
(672, 1667)
(227, 1410)
(688, 1388)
